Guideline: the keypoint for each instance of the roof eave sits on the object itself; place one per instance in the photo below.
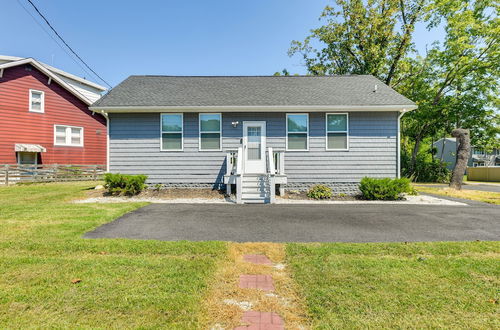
(263, 108)
(48, 73)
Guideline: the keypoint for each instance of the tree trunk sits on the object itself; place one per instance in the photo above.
(442, 147)
(463, 151)
(414, 154)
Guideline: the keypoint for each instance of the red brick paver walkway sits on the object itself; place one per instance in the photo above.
(261, 321)
(259, 259)
(263, 282)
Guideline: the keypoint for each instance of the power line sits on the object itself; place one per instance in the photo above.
(66, 44)
(54, 39)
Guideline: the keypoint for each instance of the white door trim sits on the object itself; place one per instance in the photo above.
(254, 166)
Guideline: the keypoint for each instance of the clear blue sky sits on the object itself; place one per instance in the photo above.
(170, 37)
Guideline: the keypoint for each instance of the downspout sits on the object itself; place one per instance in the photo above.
(107, 139)
(401, 113)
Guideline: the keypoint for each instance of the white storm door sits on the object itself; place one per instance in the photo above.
(254, 146)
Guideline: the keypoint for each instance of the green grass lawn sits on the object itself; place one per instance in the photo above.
(475, 195)
(153, 284)
(124, 283)
(397, 285)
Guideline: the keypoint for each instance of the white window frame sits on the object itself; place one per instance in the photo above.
(219, 131)
(327, 131)
(42, 101)
(68, 137)
(182, 131)
(306, 132)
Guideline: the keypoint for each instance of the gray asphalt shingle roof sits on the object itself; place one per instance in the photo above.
(352, 90)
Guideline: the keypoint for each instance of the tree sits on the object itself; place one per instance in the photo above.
(455, 84)
(362, 38)
(463, 152)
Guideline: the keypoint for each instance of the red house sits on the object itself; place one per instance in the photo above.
(44, 115)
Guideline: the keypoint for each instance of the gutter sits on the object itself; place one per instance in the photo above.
(401, 113)
(260, 108)
(107, 138)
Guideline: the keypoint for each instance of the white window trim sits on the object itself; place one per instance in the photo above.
(182, 131)
(306, 132)
(42, 101)
(68, 139)
(327, 131)
(219, 131)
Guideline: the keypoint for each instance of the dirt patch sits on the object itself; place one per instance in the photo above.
(171, 193)
(225, 303)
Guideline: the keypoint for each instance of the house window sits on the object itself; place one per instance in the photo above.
(68, 136)
(210, 131)
(37, 101)
(337, 127)
(297, 129)
(171, 131)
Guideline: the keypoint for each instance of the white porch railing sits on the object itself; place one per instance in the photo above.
(279, 162)
(239, 175)
(231, 159)
(275, 171)
(271, 173)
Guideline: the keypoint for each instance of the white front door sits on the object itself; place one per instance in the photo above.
(254, 146)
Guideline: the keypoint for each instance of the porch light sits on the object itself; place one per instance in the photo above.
(235, 123)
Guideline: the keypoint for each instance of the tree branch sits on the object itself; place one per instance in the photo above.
(405, 41)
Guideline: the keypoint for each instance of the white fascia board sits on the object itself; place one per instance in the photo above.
(49, 74)
(10, 58)
(298, 108)
(73, 77)
(51, 68)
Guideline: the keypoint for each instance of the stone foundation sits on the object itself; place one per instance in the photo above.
(187, 185)
(348, 188)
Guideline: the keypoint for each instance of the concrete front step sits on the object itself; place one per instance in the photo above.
(254, 200)
(254, 189)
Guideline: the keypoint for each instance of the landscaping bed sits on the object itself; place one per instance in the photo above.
(166, 193)
(302, 195)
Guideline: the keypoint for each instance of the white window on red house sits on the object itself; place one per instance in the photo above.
(68, 136)
(37, 101)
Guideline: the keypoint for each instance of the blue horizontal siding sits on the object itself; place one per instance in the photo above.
(135, 148)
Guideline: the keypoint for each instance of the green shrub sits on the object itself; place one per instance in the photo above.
(320, 191)
(123, 184)
(385, 189)
(426, 170)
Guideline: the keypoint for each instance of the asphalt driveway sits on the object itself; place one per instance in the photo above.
(306, 223)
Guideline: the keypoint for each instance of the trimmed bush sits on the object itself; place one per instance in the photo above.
(123, 184)
(320, 191)
(385, 189)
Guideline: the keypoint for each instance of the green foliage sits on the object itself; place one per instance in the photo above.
(425, 169)
(123, 184)
(362, 37)
(385, 188)
(320, 191)
(158, 187)
(455, 83)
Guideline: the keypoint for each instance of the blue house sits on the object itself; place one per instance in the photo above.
(260, 134)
